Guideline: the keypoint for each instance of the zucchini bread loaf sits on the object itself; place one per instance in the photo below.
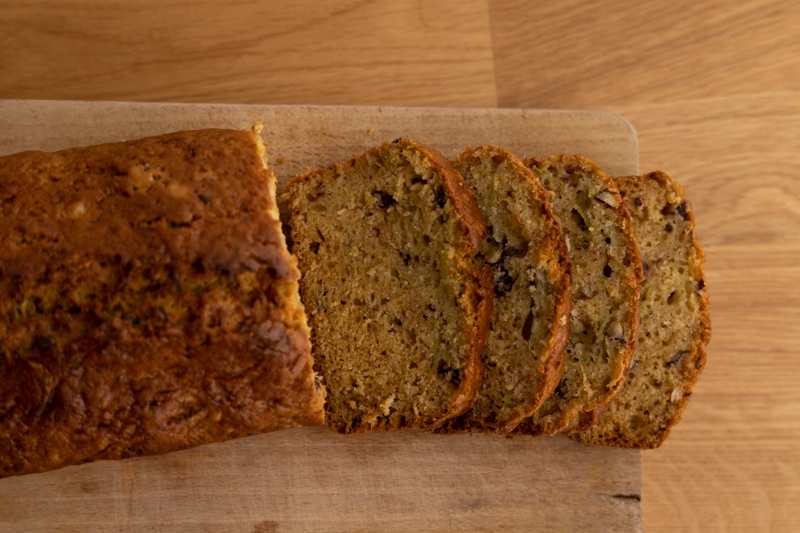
(675, 322)
(398, 301)
(525, 247)
(606, 281)
(149, 301)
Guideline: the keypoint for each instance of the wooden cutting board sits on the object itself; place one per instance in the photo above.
(307, 479)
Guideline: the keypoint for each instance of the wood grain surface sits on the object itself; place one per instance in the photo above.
(289, 51)
(712, 88)
(308, 479)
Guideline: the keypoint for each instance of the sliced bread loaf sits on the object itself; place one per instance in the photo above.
(606, 274)
(526, 249)
(398, 301)
(675, 322)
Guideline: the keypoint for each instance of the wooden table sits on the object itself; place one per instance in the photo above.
(712, 88)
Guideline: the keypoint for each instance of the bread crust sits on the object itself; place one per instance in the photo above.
(481, 296)
(150, 302)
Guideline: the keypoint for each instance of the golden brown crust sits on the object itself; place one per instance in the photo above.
(460, 194)
(150, 304)
(617, 424)
(483, 297)
(553, 367)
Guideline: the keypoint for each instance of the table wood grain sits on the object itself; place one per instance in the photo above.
(711, 87)
(287, 51)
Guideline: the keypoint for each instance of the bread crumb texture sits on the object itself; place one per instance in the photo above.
(149, 304)
(606, 275)
(388, 244)
(527, 253)
(675, 321)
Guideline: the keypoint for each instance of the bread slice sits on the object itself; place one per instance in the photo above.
(398, 302)
(675, 322)
(149, 301)
(606, 281)
(528, 334)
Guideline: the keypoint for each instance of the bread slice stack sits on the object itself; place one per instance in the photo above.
(496, 295)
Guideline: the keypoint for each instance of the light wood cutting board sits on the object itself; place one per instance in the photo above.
(307, 479)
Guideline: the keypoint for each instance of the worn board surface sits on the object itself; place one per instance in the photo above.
(307, 479)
